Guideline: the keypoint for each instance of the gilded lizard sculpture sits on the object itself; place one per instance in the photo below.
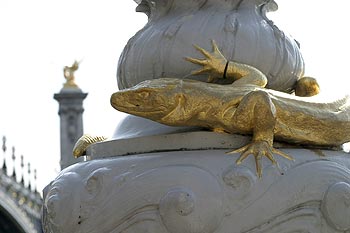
(244, 107)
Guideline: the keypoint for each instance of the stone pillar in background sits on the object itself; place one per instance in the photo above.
(71, 110)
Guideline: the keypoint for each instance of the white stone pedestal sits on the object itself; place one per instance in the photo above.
(181, 186)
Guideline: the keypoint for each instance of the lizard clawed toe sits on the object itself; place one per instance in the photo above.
(259, 149)
(213, 64)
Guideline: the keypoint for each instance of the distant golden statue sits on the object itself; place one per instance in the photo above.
(68, 72)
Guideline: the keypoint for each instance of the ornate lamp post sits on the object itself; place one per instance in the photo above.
(156, 178)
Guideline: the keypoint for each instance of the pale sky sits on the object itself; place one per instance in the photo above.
(39, 37)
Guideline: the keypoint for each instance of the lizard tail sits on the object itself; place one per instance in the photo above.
(84, 142)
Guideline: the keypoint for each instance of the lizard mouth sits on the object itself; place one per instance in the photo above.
(141, 111)
(135, 107)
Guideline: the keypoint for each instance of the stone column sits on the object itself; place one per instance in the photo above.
(71, 121)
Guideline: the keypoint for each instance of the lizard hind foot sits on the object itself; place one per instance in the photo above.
(259, 149)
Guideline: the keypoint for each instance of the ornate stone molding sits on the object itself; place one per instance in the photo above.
(201, 191)
(240, 27)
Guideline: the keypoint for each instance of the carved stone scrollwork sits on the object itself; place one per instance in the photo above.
(201, 192)
(241, 28)
(178, 202)
(182, 212)
(240, 179)
(186, 200)
(336, 206)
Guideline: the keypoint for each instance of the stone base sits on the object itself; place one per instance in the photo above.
(199, 191)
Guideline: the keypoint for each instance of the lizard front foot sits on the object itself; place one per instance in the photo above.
(214, 63)
(259, 149)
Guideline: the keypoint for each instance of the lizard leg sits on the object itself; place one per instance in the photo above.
(256, 113)
(245, 74)
(216, 65)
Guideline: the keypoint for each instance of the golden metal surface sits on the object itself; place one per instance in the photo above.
(244, 107)
(307, 86)
(84, 142)
(68, 72)
(215, 63)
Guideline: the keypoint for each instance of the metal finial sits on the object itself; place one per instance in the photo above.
(29, 171)
(4, 167)
(22, 168)
(4, 148)
(14, 161)
(35, 177)
(13, 153)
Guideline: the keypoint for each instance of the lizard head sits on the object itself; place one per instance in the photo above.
(152, 99)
